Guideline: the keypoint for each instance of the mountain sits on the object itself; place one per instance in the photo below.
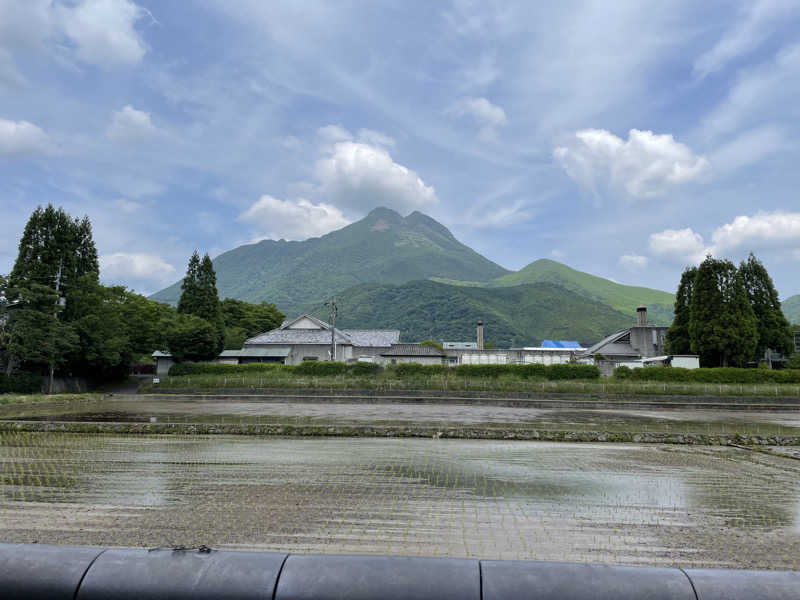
(383, 247)
(791, 308)
(514, 316)
(624, 298)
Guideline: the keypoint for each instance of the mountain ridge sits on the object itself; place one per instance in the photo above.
(383, 247)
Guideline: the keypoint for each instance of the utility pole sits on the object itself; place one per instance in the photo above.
(55, 321)
(332, 304)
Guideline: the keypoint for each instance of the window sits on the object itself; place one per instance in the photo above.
(305, 358)
(625, 339)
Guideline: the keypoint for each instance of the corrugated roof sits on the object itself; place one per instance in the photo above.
(411, 350)
(606, 341)
(560, 344)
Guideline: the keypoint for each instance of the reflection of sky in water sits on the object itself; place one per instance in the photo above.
(175, 410)
(452, 497)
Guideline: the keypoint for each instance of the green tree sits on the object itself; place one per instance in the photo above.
(190, 288)
(146, 322)
(678, 340)
(250, 318)
(54, 243)
(774, 332)
(57, 258)
(192, 338)
(200, 298)
(38, 340)
(723, 327)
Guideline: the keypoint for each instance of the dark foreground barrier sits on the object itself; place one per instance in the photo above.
(36, 572)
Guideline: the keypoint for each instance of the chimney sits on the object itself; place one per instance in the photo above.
(480, 335)
(641, 316)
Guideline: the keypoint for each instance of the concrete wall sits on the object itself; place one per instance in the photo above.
(421, 360)
(648, 341)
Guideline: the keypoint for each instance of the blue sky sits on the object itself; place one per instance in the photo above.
(626, 139)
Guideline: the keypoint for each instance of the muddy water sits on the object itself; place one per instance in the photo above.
(138, 409)
(673, 505)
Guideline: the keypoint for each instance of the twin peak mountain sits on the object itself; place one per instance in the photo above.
(411, 273)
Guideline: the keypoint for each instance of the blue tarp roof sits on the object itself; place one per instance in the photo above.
(560, 344)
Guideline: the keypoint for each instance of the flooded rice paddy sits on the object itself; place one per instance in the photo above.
(635, 504)
(126, 409)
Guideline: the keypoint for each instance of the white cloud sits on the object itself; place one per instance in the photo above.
(121, 266)
(488, 116)
(762, 230)
(375, 138)
(9, 75)
(749, 148)
(334, 133)
(759, 20)
(767, 92)
(645, 165)
(21, 138)
(359, 177)
(129, 125)
(127, 206)
(292, 219)
(678, 245)
(104, 31)
(633, 261)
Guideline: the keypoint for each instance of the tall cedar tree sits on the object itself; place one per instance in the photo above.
(678, 340)
(190, 288)
(51, 239)
(723, 327)
(41, 333)
(774, 331)
(200, 299)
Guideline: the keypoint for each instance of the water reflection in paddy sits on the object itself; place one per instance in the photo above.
(590, 502)
(669, 419)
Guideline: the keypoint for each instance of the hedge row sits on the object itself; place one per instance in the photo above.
(718, 375)
(204, 368)
(22, 383)
(318, 368)
(325, 368)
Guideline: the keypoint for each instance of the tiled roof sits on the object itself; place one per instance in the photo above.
(272, 351)
(411, 350)
(369, 338)
(297, 336)
(373, 338)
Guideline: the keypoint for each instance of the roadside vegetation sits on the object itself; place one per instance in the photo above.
(509, 379)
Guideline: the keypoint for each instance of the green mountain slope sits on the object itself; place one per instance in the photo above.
(791, 308)
(516, 316)
(624, 298)
(384, 247)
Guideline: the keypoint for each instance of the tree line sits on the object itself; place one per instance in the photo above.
(56, 318)
(728, 316)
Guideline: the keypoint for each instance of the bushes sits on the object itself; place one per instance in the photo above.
(416, 369)
(321, 368)
(623, 372)
(317, 369)
(534, 371)
(716, 375)
(402, 370)
(205, 368)
(22, 383)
